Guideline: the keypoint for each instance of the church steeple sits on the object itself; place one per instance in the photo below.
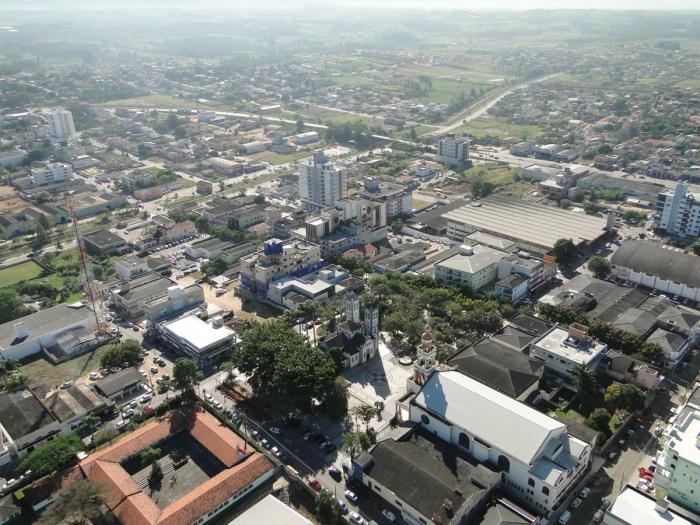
(426, 358)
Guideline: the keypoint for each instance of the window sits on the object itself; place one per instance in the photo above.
(503, 463)
(545, 491)
(531, 482)
(463, 440)
(424, 419)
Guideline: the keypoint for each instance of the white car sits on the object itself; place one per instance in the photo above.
(356, 518)
(207, 396)
(564, 518)
(275, 430)
(351, 496)
(218, 405)
(576, 503)
(390, 516)
(585, 491)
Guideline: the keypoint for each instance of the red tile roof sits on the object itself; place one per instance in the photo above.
(227, 446)
(215, 491)
(133, 507)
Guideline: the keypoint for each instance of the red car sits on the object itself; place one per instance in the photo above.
(640, 419)
(314, 484)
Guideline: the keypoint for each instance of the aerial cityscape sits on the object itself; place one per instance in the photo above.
(346, 262)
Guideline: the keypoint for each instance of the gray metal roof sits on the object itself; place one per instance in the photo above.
(525, 221)
(119, 381)
(44, 322)
(653, 259)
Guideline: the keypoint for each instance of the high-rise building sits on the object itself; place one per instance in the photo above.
(321, 182)
(678, 212)
(61, 124)
(452, 150)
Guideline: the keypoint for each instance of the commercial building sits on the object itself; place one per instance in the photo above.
(307, 138)
(130, 266)
(540, 462)
(60, 330)
(474, 268)
(513, 286)
(213, 247)
(206, 343)
(12, 157)
(315, 286)
(278, 259)
(234, 471)
(534, 227)
(226, 167)
(321, 182)
(130, 296)
(51, 173)
(667, 270)
(453, 151)
(536, 272)
(678, 212)
(104, 242)
(564, 350)
(178, 299)
(397, 198)
(121, 384)
(61, 124)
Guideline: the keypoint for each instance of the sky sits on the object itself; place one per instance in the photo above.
(664, 5)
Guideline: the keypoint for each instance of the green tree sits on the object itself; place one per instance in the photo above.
(300, 126)
(10, 305)
(56, 454)
(40, 238)
(150, 455)
(634, 217)
(696, 248)
(215, 266)
(326, 508)
(605, 149)
(335, 404)
(565, 251)
(142, 151)
(600, 266)
(44, 222)
(172, 122)
(126, 353)
(156, 475)
(90, 421)
(356, 442)
(586, 382)
(185, 376)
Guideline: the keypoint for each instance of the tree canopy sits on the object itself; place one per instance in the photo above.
(565, 251)
(53, 455)
(600, 266)
(126, 353)
(186, 374)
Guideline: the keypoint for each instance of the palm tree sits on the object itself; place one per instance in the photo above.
(90, 421)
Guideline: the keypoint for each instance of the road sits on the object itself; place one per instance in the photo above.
(481, 106)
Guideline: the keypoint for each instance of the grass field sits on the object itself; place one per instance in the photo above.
(163, 102)
(22, 272)
(499, 127)
(690, 83)
(43, 375)
(281, 158)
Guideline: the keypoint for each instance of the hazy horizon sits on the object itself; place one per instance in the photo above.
(637, 5)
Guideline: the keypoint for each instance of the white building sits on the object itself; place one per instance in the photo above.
(633, 507)
(177, 300)
(668, 270)
(452, 150)
(563, 350)
(678, 465)
(206, 343)
(51, 173)
(398, 199)
(678, 212)
(321, 182)
(475, 268)
(540, 462)
(130, 265)
(307, 138)
(61, 124)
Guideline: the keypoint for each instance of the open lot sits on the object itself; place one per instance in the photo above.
(22, 272)
(499, 127)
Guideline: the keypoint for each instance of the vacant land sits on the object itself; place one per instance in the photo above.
(281, 158)
(44, 376)
(22, 272)
(499, 128)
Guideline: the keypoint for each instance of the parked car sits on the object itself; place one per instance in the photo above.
(207, 396)
(255, 434)
(356, 518)
(585, 491)
(334, 472)
(598, 516)
(343, 506)
(265, 443)
(314, 484)
(94, 376)
(275, 430)
(351, 495)
(390, 516)
(576, 503)
(565, 517)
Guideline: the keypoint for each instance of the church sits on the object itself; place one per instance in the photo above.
(357, 339)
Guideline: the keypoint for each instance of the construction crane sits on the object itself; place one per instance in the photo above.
(84, 260)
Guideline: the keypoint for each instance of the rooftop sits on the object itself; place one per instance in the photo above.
(424, 471)
(491, 240)
(115, 383)
(683, 439)
(558, 342)
(635, 507)
(143, 286)
(653, 259)
(527, 222)
(270, 511)
(198, 334)
(482, 258)
(508, 425)
(44, 322)
(496, 365)
(21, 414)
(103, 238)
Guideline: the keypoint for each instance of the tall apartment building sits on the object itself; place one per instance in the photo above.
(678, 212)
(321, 182)
(61, 124)
(51, 173)
(678, 464)
(278, 259)
(452, 150)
